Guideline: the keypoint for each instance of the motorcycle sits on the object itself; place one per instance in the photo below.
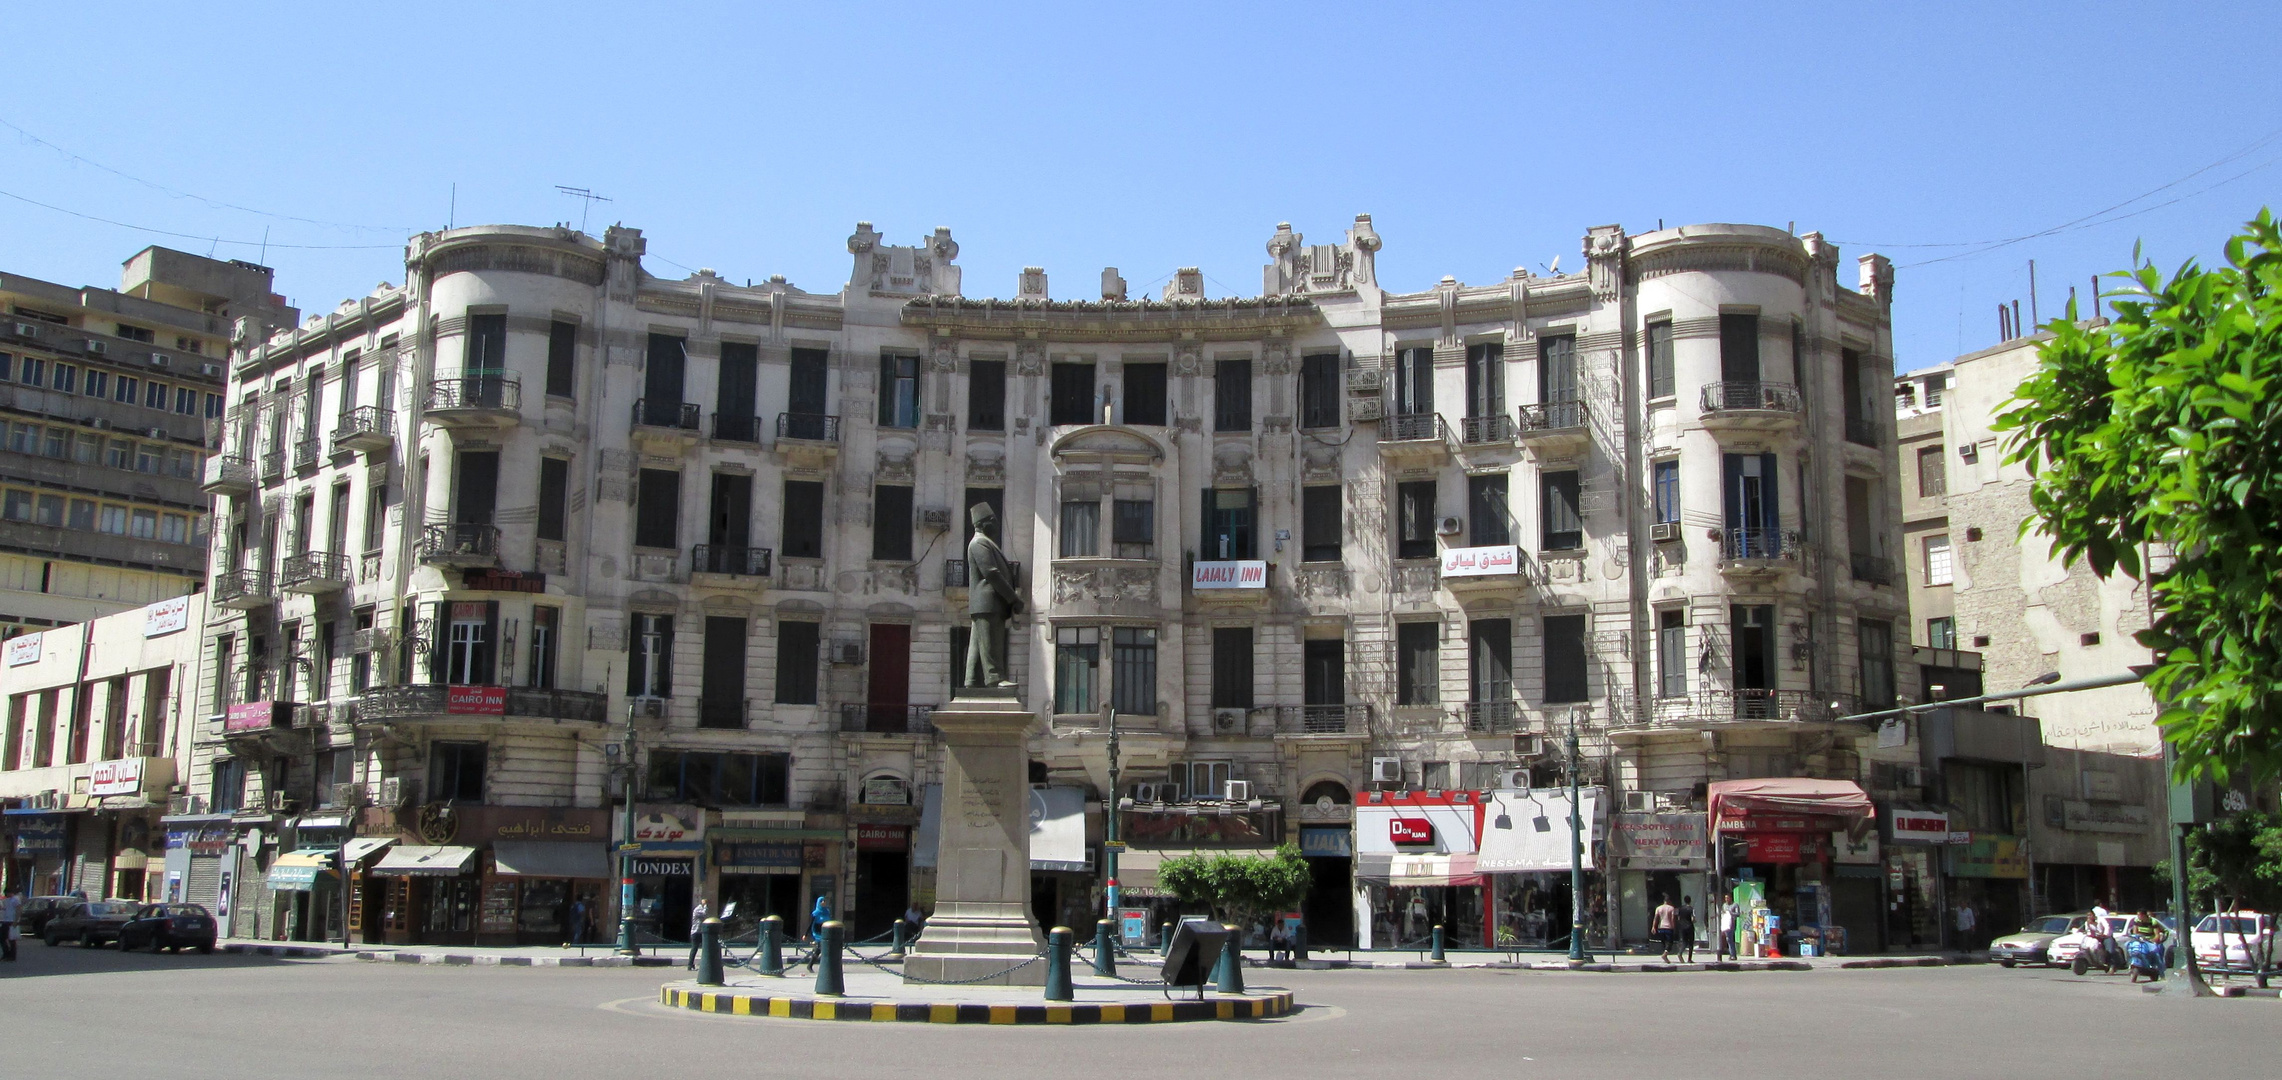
(2110, 959)
(2146, 956)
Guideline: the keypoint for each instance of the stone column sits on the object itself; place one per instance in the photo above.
(982, 923)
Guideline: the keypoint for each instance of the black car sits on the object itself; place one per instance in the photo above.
(37, 910)
(89, 922)
(169, 926)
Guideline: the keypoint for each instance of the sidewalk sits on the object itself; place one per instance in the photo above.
(592, 956)
(1624, 963)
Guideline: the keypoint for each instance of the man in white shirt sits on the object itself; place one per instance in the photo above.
(11, 908)
(2096, 928)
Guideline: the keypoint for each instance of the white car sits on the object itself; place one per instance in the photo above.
(2235, 941)
(2066, 946)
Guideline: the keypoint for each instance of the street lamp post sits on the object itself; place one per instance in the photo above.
(625, 756)
(1110, 845)
(1577, 954)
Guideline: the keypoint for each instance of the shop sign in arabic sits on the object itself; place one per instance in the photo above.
(1481, 561)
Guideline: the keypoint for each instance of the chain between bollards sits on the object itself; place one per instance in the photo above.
(829, 979)
(709, 953)
(1058, 943)
(1104, 948)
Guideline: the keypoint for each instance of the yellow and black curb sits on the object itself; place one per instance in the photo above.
(733, 1003)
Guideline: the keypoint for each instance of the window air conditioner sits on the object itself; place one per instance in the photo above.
(1386, 770)
(209, 369)
(160, 360)
(97, 347)
(1664, 532)
(281, 803)
(1639, 802)
(652, 707)
(1227, 720)
(348, 796)
(847, 652)
(1529, 745)
(1236, 790)
(1367, 410)
(101, 423)
(935, 518)
(27, 330)
(1513, 780)
(1145, 793)
(1450, 526)
(391, 793)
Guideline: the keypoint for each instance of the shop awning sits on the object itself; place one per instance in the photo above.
(408, 860)
(360, 848)
(1412, 871)
(550, 859)
(1730, 801)
(1528, 832)
(298, 870)
(1058, 828)
(1137, 870)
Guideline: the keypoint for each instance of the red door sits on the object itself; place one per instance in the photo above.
(889, 692)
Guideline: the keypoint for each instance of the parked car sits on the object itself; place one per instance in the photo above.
(2033, 944)
(169, 926)
(2235, 941)
(34, 915)
(89, 922)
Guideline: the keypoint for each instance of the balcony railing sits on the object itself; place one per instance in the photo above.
(1757, 542)
(365, 427)
(460, 544)
(1553, 416)
(314, 571)
(435, 699)
(489, 393)
(954, 573)
(307, 453)
(1323, 719)
(654, 412)
(738, 561)
(1862, 431)
(273, 464)
(243, 589)
(731, 428)
(229, 473)
(1873, 569)
(813, 427)
(1487, 429)
(1493, 717)
(886, 719)
(1414, 427)
(1760, 396)
(1756, 704)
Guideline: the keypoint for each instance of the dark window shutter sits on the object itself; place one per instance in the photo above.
(796, 663)
(887, 390)
(1419, 678)
(665, 655)
(562, 353)
(1232, 667)
(658, 509)
(1145, 395)
(1320, 523)
(803, 519)
(891, 523)
(1564, 659)
(1772, 499)
(1739, 348)
(986, 395)
(554, 488)
(439, 641)
(806, 395)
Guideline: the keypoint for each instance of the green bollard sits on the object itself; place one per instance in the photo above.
(709, 953)
(895, 952)
(1230, 971)
(772, 945)
(1436, 955)
(1104, 948)
(1058, 965)
(1166, 941)
(828, 978)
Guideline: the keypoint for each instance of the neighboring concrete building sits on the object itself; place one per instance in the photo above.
(97, 738)
(1320, 553)
(105, 402)
(2092, 807)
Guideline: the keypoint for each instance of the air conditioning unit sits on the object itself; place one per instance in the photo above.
(210, 369)
(1639, 802)
(157, 432)
(282, 803)
(936, 518)
(1664, 532)
(390, 792)
(101, 423)
(348, 796)
(1225, 720)
(1513, 780)
(97, 347)
(160, 360)
(652, 707)
(1145, 793)
(45, 800)
(847, 652)
(1450, 526)
(1364, 380)
(1386, 770)
(1529, 745)
(1367, 410)
(1236, 790)
(27, 330)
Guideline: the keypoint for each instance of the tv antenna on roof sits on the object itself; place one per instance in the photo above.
(590, 199)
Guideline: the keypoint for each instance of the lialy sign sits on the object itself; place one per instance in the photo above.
(123, 777)
(1240, 574)
(1481, 561)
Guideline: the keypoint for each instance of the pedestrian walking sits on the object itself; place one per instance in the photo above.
(1967, 922)
(11, 909)
(578, 921)
(1687, 928)
(1722, 949)
(697, 917)
(817, 917)
(1665, 923)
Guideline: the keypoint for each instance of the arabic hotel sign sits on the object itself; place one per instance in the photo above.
(122, 777)
(1242, 574)
(1481, 561)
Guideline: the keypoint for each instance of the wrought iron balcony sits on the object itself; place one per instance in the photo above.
(367, 428)
(417, 701)
(1477, 430)
(954, 573)
(243, 590)
(731, 428)
(1721, 397)
(1751, 544)
(659, 413)
(1323, 719)
(1414, 428)
(887, 719)
(478, 400)
(1862, 430)
(1873, 569)
(1553, 417)
(229, 474)
(273, 465)
(1493, 717)
(459, 544)
(735, 561)
(808, 427)
(314, 572)
(307, 453)
(1757, 704)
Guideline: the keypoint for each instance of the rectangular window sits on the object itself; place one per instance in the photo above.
(1557, 370)
(1933, 472)
(891, 523)
(1133, 685)
(16, 505)
(186, 402)
(375, 515)
(803, 519)
(82, 515)
(1229, 524)
(721, 685)
(469, 649)
(1145, 395)
(718, 779)
(486, 348)
(1938, 568)
(657, 509)
(174, 529)
(986, 395)
(650, 656)
(736, 391)
(1319, 391)
(1671, 653)
(360, 662)
(1232, 667)
(143, 526)
(1133, 528)
(128, 389)
(98, 383)
(899, 390)
(112, 520)
(806, 388)
(797, 644)
(1485, 379)
(1667, 475)
(1877, 641)
(1941, 633)
(1077, 651)
(50, 512)
(1739, 348)
(1414, 519)
(1081, 530)
(214, 406)
(66, 379)
(1564, 659)
(1661, 380)
(227, 785)
(1487, 520)
(455, 771)
(154, 397)
(1418, 663)
(554, 492)
(35, 372)
(1491, 677)
(1321, 522)
(1231, 395)
(562, 358)
(1564, 524)
(1414, 381)
(546, 630)
(1071, 400)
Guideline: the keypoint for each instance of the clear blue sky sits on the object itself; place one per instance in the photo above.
(751, 138)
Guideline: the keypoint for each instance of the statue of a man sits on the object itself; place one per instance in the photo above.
(992, 598)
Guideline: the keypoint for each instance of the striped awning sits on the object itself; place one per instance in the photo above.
(1412, 871)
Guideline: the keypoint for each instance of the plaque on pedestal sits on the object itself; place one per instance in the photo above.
(982, 930)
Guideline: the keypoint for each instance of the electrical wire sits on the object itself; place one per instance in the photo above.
(200, 236)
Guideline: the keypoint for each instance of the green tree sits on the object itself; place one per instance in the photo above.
(2233, 862)
(1238, 888)
(2155, 445)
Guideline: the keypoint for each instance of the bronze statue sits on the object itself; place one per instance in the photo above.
(992, 599)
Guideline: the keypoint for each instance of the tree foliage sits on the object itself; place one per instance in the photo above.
(2155, 446)
(1238, 888)
(2234, 862)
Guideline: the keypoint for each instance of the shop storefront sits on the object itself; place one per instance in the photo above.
(1415, 870)
(1914, 837)
(1775, 837)
(1155, 833)
(1658, 854)
(1064, 886)
(882, 826)
(366, 904)
(427, 894)
(36, 863)
(1525, 862)
(1988, 872)
(195, 846)
(1328, 913)
(777, 862)
(303, 884)
(669, 848)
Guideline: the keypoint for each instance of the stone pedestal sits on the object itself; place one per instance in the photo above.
(982, 923)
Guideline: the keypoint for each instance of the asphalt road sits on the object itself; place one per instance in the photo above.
(66, 1011)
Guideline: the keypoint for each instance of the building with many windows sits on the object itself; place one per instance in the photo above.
(105, 401)
(536, 531)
